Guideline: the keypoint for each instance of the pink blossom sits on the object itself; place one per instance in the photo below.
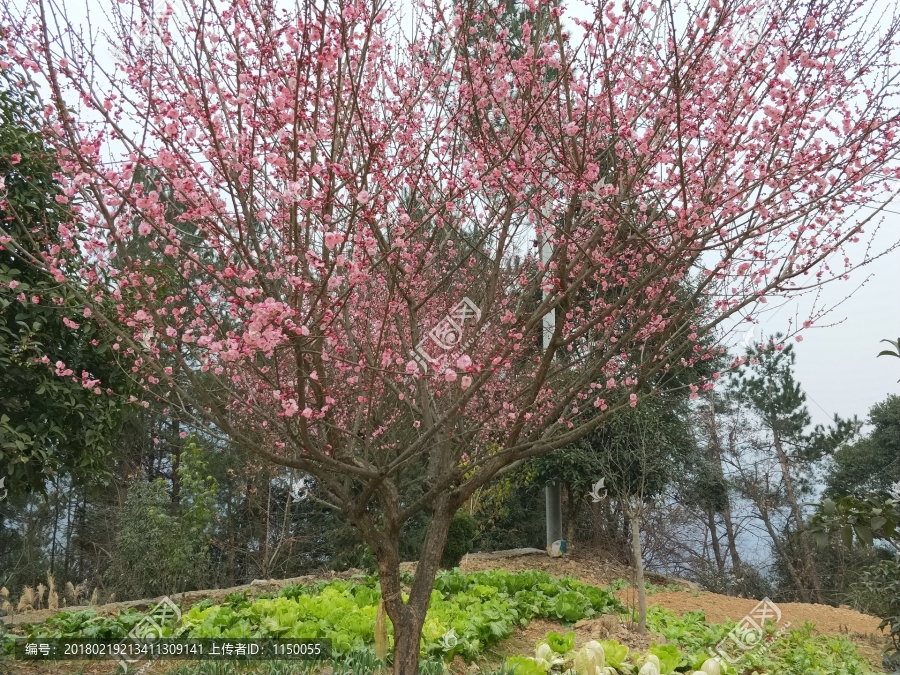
(338, 281)
(799, 338)
(333, 239)
(290, 407)
(15, 158)
(13, 284)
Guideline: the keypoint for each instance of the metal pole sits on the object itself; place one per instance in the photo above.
(553, 496)
(552, 493)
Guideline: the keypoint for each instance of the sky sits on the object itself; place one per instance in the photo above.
(837, 365)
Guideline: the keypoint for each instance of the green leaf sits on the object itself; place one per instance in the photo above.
(847, 536)
(669, 657)
(864, 533)
(522, 665)
(560, 644)
(615, 652)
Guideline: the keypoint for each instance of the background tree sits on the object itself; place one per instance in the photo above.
(54, 417)
(767, 385)
(707, 486)
(639, 453)
(318, 153)
(872, 463)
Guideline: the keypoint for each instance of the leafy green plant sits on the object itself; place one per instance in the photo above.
(523, 665)
(669, 657)
(862, 519)
(463, 529)
(865, 520)
(615, 652)
(561, 644)
(161, 547)
(477, 610)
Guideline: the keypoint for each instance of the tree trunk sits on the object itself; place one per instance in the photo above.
(55, 528)
(408, 618)
(69, 503)
(776, 542)
(809, 563)
(264, 549)
(176, 444)
(572, 509)
(726, 512)
(736, 566)
(714, 533)
(598, 525)
(639, 569)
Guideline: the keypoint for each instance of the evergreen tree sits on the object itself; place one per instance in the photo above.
(58, 412)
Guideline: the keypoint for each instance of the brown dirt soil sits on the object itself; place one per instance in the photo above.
(720, 608)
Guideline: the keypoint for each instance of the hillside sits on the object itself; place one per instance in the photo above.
(678, 596)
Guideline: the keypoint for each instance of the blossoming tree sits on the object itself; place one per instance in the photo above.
(389, 206)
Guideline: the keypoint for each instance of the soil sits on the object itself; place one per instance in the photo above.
(861, 628)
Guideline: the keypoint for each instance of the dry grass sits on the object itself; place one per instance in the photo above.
(74, 594)
(27, 601)
(52, 595)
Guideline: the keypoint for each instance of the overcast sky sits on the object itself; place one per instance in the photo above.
(837, 366)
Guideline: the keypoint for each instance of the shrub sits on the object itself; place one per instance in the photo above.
(463, 529)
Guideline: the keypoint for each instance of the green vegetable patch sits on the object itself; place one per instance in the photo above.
(691, 649)
(468, 613)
